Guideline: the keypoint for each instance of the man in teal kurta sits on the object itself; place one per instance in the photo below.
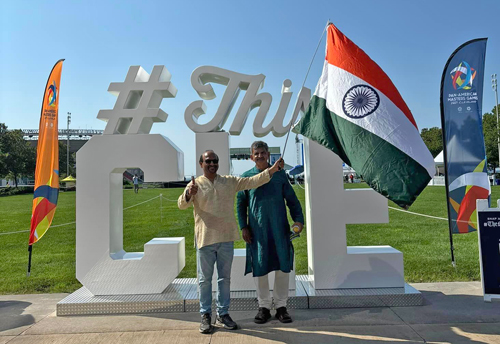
(262, 217)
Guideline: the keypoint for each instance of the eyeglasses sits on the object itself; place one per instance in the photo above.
(214, 161)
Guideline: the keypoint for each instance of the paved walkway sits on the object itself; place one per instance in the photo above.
(452, 313)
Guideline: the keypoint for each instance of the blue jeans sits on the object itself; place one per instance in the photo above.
(207, 256)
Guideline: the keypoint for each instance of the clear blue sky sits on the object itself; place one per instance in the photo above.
(410, 40)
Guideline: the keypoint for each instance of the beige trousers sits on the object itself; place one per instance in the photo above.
(280, 290)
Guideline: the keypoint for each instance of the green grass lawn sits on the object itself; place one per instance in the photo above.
(423, 241)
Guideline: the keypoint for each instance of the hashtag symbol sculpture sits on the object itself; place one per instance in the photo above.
(138, 104)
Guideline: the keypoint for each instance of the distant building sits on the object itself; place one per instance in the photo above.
(77, 137)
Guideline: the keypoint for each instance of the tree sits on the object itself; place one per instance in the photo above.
(63, 162)
(3, 130)
(433, 139)
(491, 137)
(17, 157)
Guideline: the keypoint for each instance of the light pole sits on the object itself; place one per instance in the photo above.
(494, 86)
(67, 145)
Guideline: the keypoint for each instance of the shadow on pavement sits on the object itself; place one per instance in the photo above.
(360, 334)
(448, 318)
(440, 308)
(12, 316)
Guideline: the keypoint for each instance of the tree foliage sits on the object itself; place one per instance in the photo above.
(63, 161)
(17, 157)
(491, 137)
(3, 130)
(433, 139)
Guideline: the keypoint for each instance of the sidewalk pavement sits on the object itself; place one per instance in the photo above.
(452, 313)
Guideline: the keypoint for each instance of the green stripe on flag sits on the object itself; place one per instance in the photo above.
(384, 167)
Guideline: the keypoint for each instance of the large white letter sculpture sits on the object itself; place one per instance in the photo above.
(332, 264)
(102, 265)
(201, 78)
(210, 135)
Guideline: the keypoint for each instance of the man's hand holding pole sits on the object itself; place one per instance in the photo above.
(192, 189)
(278, 165)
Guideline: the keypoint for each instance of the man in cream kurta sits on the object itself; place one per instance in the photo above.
(216, 230)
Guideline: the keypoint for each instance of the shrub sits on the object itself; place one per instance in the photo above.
(11, 191)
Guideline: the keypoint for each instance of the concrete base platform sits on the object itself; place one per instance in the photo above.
(182, 296)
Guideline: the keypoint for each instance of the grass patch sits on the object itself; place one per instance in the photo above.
(423, 241)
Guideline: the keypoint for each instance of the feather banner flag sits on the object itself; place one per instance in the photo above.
(46, 189)
(358, 113)
(466, 168)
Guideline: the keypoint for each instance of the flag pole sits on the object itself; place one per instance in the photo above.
(445, 155)
(307, 74)
(445, 159)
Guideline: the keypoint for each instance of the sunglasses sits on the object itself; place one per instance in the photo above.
(214, 161)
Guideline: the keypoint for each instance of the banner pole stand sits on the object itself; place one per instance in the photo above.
(161, 207)
(30, 250)
(453, 263)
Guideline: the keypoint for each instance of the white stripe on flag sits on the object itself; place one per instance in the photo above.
(387, 122)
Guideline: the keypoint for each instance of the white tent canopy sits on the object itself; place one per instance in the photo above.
(439, 163)
(439, 159)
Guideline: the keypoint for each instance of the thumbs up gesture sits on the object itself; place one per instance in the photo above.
(192, 189)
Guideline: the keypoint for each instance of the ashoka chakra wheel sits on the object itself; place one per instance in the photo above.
(360, 101)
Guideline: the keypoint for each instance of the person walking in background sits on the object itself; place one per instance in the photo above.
(263, 220)
(212, 197)
(135, 179)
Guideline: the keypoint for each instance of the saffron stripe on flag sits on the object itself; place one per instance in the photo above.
(344, 54)
(387, 122)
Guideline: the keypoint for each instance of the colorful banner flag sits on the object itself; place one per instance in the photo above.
(358, 113)
(46, 189)
(461, 118)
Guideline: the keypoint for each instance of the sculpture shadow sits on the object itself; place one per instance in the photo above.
(12, 316)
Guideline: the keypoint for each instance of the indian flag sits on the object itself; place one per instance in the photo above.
(358, 113)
